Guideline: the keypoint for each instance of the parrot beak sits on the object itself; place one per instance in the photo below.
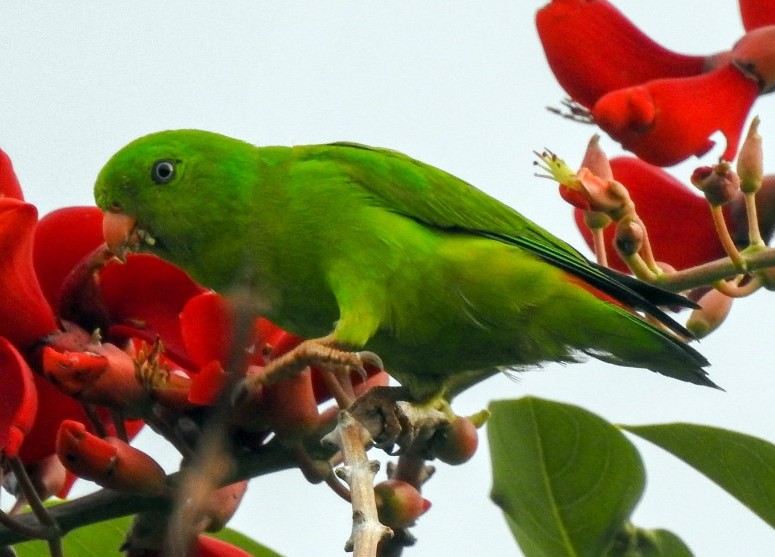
(119, 232)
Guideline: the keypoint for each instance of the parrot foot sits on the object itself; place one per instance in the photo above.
(316, 352)
(377, 410)
(392, 418)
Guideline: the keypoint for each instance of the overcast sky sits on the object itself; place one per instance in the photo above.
(460, 85)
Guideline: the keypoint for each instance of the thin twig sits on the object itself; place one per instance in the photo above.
(638, 266)
(708, 273)
(754, 234)
(598, 238)
(106, 504)
(213, 462)
(733, 289)
(53, 534)
(359, 472)
(726, 239)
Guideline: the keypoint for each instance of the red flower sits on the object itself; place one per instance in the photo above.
(660, 105)
(109, 462)
(144, 298)
(31, 255)
(615, 54)
(666, 121)
(26, 315)
(62, 239)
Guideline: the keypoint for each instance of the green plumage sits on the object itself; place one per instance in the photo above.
(445, 283)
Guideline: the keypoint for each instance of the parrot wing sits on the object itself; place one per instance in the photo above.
(438, 199)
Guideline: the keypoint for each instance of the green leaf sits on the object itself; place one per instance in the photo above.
(741, 464)
(566, 479)
(95, 540)
(105, 538)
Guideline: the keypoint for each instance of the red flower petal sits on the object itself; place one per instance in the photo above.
(56, 406)
(678, 220)
(213, 547)
(757, 13)
(9, 184)
(668, 120)
(207, 384)
(146, 295)
(19, 399)
(206, 325)
(62, 239)
(25, 316)
(593, 49)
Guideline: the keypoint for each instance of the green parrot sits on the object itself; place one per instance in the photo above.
(362, 247)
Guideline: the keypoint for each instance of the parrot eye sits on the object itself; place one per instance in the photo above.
(163, 171)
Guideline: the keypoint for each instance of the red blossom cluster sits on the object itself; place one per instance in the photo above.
(661, 105)
(662, 201)
(91, 348)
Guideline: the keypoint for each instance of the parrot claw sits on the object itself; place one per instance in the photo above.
(368, 358)
(316, 352)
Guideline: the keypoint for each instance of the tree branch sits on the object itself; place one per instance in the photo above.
(108, 504)
(708, 273)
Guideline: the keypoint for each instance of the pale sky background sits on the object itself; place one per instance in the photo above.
(460, 85)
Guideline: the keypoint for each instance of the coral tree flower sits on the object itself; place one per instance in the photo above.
(33, 267)
(27, 316)
(661, 105)
(678, 220)
(615, 54)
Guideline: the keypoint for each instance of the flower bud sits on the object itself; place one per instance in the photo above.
(456, 443)
(719, 183)
(749, 160)
(101, 374)
(714, 308)
(596, 160)
(221, 504)
(399, 504)
(629, 237)
(108, 462)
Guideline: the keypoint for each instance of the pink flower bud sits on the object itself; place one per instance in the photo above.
(456, 443)
(629, 237)
(596, 160)
(749, 161)
(719, 183)
(714, 308)
(399, 504)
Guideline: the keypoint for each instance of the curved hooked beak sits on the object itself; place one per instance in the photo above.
(120, 234)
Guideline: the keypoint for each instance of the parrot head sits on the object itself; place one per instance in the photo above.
(156, 192)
